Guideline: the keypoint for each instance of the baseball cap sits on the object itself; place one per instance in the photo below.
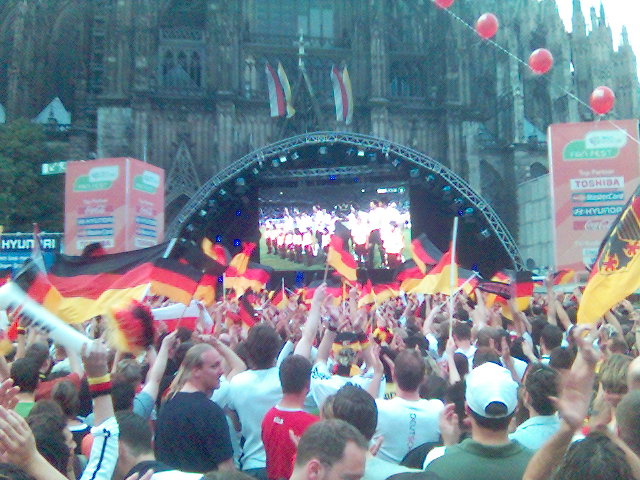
(491, 383)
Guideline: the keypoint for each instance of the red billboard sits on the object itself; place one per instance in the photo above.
(118, 202)
(594, 169)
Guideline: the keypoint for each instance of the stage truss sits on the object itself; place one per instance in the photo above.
(388, 149)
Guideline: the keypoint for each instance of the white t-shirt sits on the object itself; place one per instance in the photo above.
(406, 424)
(251, 394)
(324, 383)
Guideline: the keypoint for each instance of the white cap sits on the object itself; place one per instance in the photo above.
(491, 383)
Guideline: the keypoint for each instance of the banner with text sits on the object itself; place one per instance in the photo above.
(118, 202)
(594, 169)
(15, 248)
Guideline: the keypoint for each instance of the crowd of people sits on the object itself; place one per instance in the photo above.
(408, 389)
(303, 236)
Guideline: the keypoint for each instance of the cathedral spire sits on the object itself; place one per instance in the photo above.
(578, 24)
(603, 18)
(625, 36)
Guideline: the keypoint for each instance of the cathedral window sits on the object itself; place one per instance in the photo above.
(181, 59)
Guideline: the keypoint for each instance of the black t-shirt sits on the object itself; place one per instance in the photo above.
(192, 434)
(142, 467)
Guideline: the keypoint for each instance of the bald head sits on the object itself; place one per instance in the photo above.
(633, 374)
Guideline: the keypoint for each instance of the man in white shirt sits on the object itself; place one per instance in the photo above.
(407, 421)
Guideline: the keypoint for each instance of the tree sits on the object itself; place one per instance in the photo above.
(25, 195)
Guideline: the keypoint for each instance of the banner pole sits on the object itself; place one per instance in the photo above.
(452, 274)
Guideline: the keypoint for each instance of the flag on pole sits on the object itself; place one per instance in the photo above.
(216, 252)
(341, 260)
(424, 253)
(438, 279)
(238, 264)
(616, 272)
(342, 94)
(286, 88)
(564, 276)
(367, 296)
(408, 275)
(280, 300)
(279, 92)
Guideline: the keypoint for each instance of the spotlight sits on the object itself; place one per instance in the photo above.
(218, 238)
(414, 172)
(238, 213)
(240, 182)
(356, 180)
(372, 156)
(360, 152)
(222, 192)
(351, 152)
(212, 203)
(485, 233)
(283, 158)
(460, 213)
(446, 189)
(469, 211)
(255, 171)
(202, 213)
(458, 201)
(236, 242)
(295, 156)
(332, 177)
(275, 162)
(190, 228)
(395, 162)
(322, 150)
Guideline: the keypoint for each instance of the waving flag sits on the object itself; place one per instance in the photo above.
(424, 253)
(342, 94)
(563, 277)
(438, 279)
(279, 92)
(616, 272)
(341, 260)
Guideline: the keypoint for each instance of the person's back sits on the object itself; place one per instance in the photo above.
(253, 392)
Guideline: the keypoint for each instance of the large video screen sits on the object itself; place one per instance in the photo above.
(296, 224)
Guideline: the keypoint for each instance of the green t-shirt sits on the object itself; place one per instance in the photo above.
(470, 460)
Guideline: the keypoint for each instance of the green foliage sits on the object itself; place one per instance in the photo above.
(25, 195)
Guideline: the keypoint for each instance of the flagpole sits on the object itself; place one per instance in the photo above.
(326, 271)
(452, 272)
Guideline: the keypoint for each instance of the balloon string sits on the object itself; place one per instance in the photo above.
(547, 79)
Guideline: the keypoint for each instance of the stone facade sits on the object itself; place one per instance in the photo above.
(184, 79)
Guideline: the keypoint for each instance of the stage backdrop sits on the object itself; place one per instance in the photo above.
(118, 202)
(594, 170)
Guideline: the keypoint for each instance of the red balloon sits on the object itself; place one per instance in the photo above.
(444, 3)
(487, 25)
(602, 100)
(540, 61)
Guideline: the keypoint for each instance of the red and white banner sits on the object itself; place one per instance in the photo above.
(177, 315)
(342, 94)
(280, 101)
(594, 170)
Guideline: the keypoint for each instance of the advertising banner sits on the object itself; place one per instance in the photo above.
(15, 248)
(594, 169)
(118, 202)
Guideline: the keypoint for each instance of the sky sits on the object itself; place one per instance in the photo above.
(617, 12)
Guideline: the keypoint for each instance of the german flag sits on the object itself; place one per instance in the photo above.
(255, 277)
(408, 275)
(493, 298)
(616, 272)
(385, 291)
(206, 290)
(334, 290)
(341, 260)
(216, 252)
(240, 261)
(280, 299)
(92, 286)
(424, 253)
(367, 297)
(467, 279)
(438, 280)
(36, 285)
(246, 312)
(563, 277)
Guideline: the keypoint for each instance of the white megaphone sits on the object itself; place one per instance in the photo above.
(12, 296)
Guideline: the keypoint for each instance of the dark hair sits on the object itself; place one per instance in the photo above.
(184, 334)
(561, 358)
(485, 335)
(354, 405)
(295, 374)
(456, 395)
(462, 363)
(25, 374)
(551, 335)
(628, 418)
(48, 432)
(493, 424)
(263, 345)
(180, 352)
(433, 387)
(595, 457)
(39, 352)
(66, 395)
(46, 407)
(541, 383)
(9, 471)
(484, 355)
(135, 433)
(409, 370)
(462, 331)
(326, 441)
(122, 395)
